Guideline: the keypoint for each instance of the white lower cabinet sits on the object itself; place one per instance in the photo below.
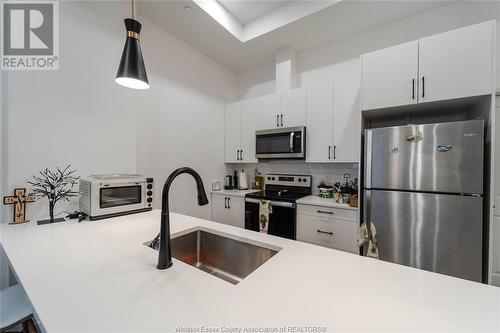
(228, 209)
(330, 227)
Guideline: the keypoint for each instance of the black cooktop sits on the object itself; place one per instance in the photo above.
(277, 195)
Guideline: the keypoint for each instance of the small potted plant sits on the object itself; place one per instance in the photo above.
(55, 186)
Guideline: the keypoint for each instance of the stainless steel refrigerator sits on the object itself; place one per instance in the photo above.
(423, 192)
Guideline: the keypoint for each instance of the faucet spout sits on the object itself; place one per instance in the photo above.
(165, 254)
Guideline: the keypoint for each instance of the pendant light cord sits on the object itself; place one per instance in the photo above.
(133, 9)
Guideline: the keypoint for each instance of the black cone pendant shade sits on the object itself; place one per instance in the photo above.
(132, 73)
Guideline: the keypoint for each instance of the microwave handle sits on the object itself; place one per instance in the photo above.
(291, 141)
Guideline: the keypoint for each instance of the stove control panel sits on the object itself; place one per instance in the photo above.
(289, 180)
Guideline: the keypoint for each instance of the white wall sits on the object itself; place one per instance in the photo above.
(326, 62)
(79, 115)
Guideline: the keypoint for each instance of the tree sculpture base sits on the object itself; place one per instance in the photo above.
(42, 222)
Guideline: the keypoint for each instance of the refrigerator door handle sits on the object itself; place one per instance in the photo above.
(368, 158)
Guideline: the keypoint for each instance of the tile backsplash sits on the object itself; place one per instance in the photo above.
(327, 172)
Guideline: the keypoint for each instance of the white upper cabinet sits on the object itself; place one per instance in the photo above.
(293, 108)
(319, 122)
(241, 121)
(346, 119)
(389, 76)
(249, 115)
(286, 109)
(232, 132)
(458, 63)
(269, 111)
(333, 121)
(454, 64)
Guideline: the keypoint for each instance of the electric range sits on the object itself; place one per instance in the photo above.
(281, 191)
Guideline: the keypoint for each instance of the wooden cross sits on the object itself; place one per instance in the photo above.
(19, 200)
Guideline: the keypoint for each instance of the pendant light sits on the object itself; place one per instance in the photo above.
(132, 73)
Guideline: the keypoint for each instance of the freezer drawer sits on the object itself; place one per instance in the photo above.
(443, 157)
(436, 232)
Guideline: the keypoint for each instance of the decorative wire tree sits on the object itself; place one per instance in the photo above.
(55, 185)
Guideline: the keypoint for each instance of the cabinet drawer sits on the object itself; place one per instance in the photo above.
(333, 233)
(328, 212)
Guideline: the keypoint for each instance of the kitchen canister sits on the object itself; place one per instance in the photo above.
(325, 192)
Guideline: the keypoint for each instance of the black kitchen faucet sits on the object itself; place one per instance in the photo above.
(165, 254)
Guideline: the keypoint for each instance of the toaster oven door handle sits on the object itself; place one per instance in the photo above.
(292, 134)
(273, 203)
(122, 184)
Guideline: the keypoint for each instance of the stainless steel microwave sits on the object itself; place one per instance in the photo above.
(289, 143)
(103, 196)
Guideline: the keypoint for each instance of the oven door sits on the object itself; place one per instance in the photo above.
(281, 143)
(282, 219)
(115, 199)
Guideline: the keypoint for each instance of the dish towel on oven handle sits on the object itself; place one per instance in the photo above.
(264, 211)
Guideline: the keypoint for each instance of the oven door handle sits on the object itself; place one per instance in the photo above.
(292, 134)
(273, 203)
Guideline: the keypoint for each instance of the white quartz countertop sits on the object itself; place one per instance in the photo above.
(324, 202)
(237, 193)
(98, 277)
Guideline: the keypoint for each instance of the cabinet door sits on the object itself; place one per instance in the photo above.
(457, 63)
(219, 208)
(269, 111)
(236, 212)
(389, 76)
(346, 119)
(334, 233)
(232, 132)
(319, 122)
(249, 115)
(293, 108)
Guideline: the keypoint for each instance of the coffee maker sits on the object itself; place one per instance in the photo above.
(229, 182)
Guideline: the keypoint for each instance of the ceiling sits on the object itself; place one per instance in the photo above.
(246, 11)
(335, 22)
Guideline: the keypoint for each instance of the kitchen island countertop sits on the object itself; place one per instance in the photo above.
(98, 277)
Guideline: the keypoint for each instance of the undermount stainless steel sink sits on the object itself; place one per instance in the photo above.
(227, 257)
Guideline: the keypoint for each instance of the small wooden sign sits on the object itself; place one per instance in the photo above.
(19, 200)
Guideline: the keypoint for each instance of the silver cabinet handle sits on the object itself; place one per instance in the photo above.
(282, 120)
(228, 202)
(329, 152)
(324, 212)
(277, 120)
(334, 152)
(292, 134)
(237, 155)
(225, 202)
(325, 232)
